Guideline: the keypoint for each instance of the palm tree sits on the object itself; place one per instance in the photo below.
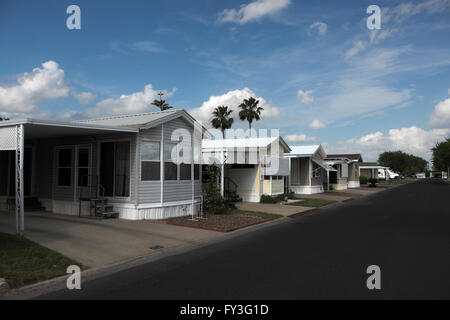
(221, 119)
(250, 111)
(161, 104)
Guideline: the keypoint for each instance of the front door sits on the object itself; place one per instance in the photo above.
(115, 168)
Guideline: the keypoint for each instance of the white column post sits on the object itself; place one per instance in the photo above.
(192, 171)
(328, 180)
(310, 171)
(290, 176)
(222, 176)
(137, 170)
(20, 219)
(161, 158)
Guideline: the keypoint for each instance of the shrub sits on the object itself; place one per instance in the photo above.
(213, 202)
(373, 182)
(268, 199)
(363, 180)
(275, 199)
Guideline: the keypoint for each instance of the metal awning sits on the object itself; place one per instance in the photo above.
(324, 165)
(41, 129)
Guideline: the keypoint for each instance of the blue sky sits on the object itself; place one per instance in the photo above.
(321, 75)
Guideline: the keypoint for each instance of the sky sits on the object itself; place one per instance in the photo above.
(319, 73)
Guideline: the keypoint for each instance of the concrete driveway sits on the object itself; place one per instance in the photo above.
(96, 243)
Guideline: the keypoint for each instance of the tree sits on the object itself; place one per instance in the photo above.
(250, 111)
(441, 156)
(402, 162)
(3, 119)
(221, 119)
(161, 104)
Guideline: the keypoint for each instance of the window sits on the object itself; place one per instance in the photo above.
(196, 172)
(266, 177)
(170, 161)
(65, 167)
(83, 167)
(150, 161)
(185, 171)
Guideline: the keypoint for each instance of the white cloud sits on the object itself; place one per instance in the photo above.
(407, 9)
(232, 99)
(253, 11)
(448, 92)
(358, 99)
(139, 46)
(440, 117)
(136, 102)
(33, 87)
(147, 46)
(377, 36)
(299, 138)
(320, 27)
(357, 48)
(412, 140)
(84, 98)
(316, 124)
(393, 18)
(305, 97)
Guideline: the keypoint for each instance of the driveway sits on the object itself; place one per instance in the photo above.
(403, 230)
(96, 243)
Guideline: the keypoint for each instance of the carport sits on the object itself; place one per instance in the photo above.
(12, 138)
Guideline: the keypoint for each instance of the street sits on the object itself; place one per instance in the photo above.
(322, 255)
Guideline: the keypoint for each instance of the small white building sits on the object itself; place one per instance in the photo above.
(347, 170)
(250, 167)
(309, 173)
(142, 166)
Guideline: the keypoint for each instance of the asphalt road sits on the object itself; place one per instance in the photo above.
(405, 231)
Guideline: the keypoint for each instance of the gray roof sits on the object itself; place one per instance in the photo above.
(143, 120)
(132, 120)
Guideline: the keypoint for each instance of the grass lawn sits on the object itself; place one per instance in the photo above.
(314, 203)
(23, 262)
(235, 219)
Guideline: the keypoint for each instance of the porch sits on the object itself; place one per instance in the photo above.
(53, 165)
(310, 175)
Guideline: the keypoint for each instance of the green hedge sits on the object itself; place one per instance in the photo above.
(275, 199)
(363, 180)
